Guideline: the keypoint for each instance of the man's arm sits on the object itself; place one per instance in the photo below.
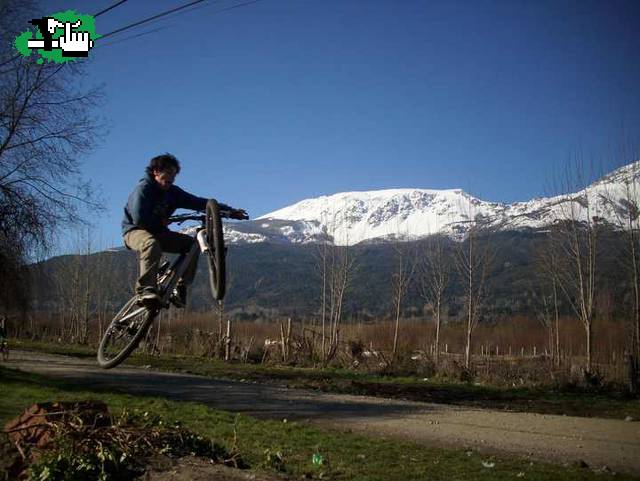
(190, 201)
(185, 200)
(193, 202)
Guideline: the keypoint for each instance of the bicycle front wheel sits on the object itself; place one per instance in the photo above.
(124, 333)
(216, 253)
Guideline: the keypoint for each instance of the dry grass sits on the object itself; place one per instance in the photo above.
(512, 349)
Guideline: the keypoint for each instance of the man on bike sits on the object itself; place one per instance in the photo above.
(144, 226)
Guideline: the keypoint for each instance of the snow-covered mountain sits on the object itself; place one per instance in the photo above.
(354, 217)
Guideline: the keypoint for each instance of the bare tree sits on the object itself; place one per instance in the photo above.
(434, 275)
(343, 264)
(405, 264)
(322, 257)
(75, 289)
(624, 205)
(547, 272)
(107, 294)
(631, 215)
(576, 233)
(474, 258)
(336, 266)
(47, 123)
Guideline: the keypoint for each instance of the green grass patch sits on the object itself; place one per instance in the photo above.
(573, 401)
(290, 447)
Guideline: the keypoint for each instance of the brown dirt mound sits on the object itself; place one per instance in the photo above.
(81, 440)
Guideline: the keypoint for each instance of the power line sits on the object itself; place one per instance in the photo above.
(149, 32)
(154, 17)
(131, 37)
(117, 4)
(194, 8)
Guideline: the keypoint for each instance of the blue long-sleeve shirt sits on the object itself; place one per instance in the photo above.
(149, 206)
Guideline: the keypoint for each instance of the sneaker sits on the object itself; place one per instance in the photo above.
(148, 298)
(179, 297)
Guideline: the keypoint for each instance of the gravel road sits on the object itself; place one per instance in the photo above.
(562, 439)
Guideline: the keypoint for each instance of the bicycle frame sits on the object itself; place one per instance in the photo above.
(179, 266)
(175, 272)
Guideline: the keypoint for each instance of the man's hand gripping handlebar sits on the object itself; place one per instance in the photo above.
(238, 214)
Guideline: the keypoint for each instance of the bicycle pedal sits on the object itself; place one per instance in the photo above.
(175, 301)
(143, 303)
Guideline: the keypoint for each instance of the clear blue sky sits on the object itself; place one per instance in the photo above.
(287, 99)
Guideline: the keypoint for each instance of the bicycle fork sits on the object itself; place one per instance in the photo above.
(201, 235)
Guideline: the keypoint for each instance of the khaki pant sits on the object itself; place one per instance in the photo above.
(150, 248)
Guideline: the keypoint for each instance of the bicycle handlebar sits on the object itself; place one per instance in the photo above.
(185, 217)
(226, 214)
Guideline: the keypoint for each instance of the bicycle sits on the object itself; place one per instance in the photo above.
(131, 323)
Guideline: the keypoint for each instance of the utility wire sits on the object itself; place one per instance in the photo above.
(148, 32)
(198, 7)
(131, 37)
(154, 17)
(117, 4)
(174, 10)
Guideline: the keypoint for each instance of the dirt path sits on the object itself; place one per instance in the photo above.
(562, 439)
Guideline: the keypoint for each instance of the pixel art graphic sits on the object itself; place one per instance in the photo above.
(59, 38)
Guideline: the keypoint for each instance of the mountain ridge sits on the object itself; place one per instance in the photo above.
(347, 218)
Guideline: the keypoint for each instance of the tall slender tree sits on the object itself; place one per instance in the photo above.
(336, 265)
(434, 276)
(474, 258)
(547, 289)
(577, 230)
(401, 279)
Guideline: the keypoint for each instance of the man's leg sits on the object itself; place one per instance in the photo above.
(178, 243)
(150, 252)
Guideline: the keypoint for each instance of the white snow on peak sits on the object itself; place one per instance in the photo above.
(353, 217)
(235, 237)
(231, 235)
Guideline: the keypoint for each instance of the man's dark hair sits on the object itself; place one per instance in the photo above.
(162, 163)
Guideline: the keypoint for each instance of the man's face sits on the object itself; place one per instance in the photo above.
(165, 178)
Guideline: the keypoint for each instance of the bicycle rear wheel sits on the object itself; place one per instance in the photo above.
(124, 333)
(216, 253)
